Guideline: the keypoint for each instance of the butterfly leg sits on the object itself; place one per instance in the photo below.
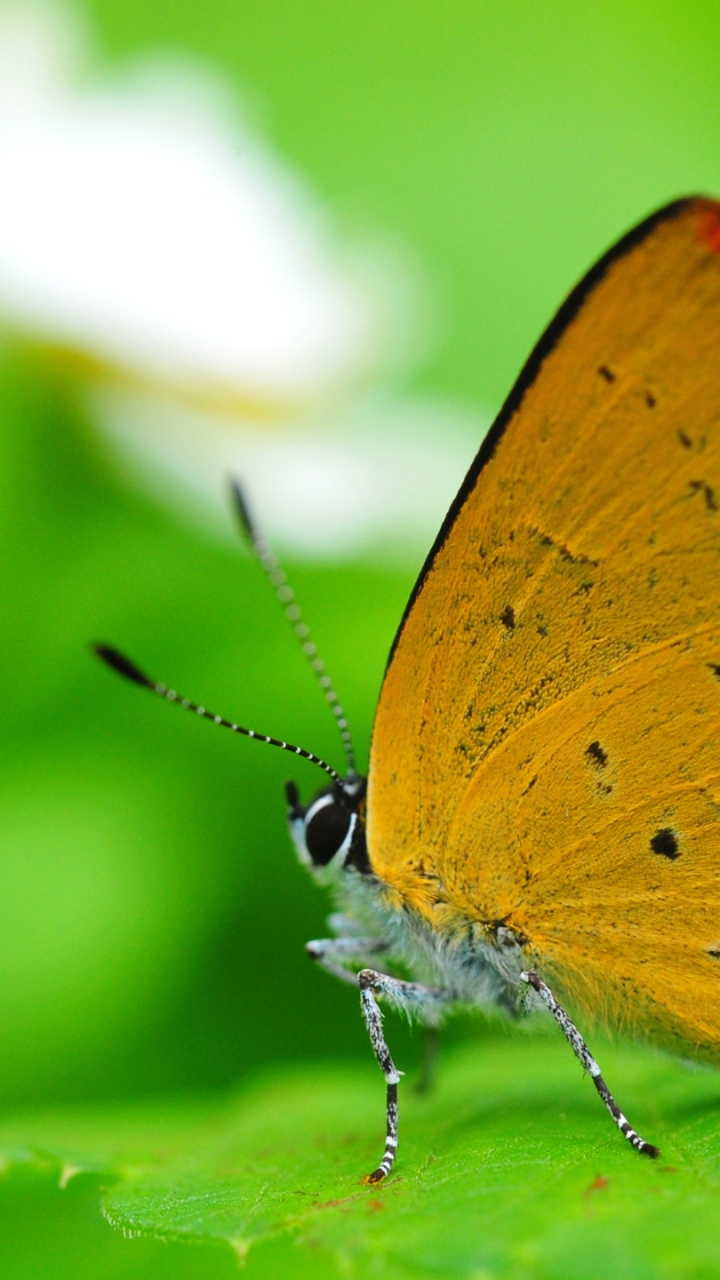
(335, 954)
(411, 998)
(425, 1003)
(581, 1051)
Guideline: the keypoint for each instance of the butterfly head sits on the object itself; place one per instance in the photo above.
(329, 833)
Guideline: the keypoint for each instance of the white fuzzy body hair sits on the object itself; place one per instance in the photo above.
(469, 966)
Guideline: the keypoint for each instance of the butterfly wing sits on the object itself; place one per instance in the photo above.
(546, 749)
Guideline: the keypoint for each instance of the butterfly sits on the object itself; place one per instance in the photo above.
(540, 822)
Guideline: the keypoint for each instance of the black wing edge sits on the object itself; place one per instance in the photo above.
(529, 373)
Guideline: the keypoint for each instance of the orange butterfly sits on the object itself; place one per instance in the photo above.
(541, 821)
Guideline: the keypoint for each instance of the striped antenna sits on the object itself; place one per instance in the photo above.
(285, 594)
(126, 668)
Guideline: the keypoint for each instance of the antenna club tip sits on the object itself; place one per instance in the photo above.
(242, 510)
(118, 662)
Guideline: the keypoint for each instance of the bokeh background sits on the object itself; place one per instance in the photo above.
(452, 169)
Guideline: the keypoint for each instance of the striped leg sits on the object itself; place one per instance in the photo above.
(373, 1021)
(335, 954)
(426, 1003)
(581, 1051)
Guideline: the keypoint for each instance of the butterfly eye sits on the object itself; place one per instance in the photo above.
(328, 829)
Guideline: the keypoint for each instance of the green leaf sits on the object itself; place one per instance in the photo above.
(510, 1169)
(47, 1234)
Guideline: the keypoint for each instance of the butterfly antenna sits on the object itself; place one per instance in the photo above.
(285, 594)
(124, 667)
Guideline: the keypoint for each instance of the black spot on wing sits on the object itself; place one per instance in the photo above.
(715, 668)
(684, 439)
(546, 540)
(709, 494)
(596, 755)
(650, 400)
(665, 842)
(606, 373)
(573, 558)
(507, 617)
(714, 952)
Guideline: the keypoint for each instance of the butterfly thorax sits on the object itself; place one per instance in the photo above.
(480, 963)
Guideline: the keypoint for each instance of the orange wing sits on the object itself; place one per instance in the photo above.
(546, 748)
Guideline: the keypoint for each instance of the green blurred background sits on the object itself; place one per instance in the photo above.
(152, 915)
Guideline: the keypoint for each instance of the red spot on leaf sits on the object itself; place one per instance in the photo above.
(375, 1205)
(709, 226)
(599, 1184)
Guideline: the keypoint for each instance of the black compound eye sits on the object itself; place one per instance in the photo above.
(326, 827)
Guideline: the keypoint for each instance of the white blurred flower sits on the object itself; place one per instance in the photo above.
(139, 224)
(219, 328)
(374, 477)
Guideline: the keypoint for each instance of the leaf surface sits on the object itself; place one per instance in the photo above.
(510, 1169)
